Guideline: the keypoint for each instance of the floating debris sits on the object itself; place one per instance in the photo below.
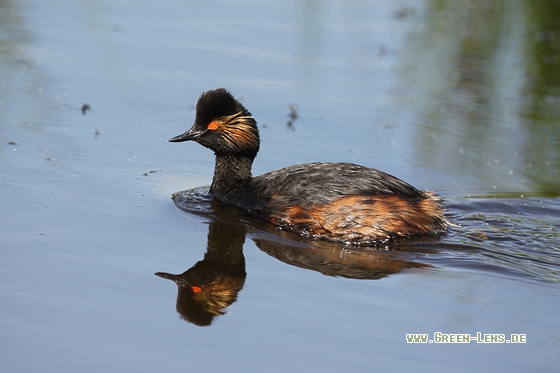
(405, 12)
(11, 143)
(85, 108)
(293, 115)
(151, 171)
(477, 235)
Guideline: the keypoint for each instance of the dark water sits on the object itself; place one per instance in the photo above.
(461, 99)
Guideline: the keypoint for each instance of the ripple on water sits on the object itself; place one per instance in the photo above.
(517, 236)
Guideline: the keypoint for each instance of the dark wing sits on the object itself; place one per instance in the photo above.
(318, 183)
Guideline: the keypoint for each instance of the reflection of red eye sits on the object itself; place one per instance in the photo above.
(212, 125)
(196, 289)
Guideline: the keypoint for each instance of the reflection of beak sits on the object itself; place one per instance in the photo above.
(179, 281)
(191, 134)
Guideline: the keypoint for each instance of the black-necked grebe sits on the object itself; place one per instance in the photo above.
(335, 201)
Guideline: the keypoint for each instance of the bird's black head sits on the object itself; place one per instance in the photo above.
(224, 125)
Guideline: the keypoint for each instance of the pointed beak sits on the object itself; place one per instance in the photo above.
(167, 276)
(191, 134)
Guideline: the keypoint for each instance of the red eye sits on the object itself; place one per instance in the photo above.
(212, 126)
(196, 289)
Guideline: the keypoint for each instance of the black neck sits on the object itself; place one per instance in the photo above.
(230, 170)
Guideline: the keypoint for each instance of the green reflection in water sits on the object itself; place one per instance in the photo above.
(26, 97)
(485, 82)
(542, 110)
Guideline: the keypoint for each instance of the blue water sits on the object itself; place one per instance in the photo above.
(406, 87)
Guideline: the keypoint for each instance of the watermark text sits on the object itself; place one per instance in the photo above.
(479, 337)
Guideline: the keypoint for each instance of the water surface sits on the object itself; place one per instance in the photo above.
(459, 99)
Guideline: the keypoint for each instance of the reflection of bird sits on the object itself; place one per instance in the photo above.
(212, 284)
(333, 259)
(336, 201)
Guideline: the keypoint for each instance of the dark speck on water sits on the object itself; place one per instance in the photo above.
(151, 172)
(293, 115)
(405, 12)
(457, 97)
(85, 108)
